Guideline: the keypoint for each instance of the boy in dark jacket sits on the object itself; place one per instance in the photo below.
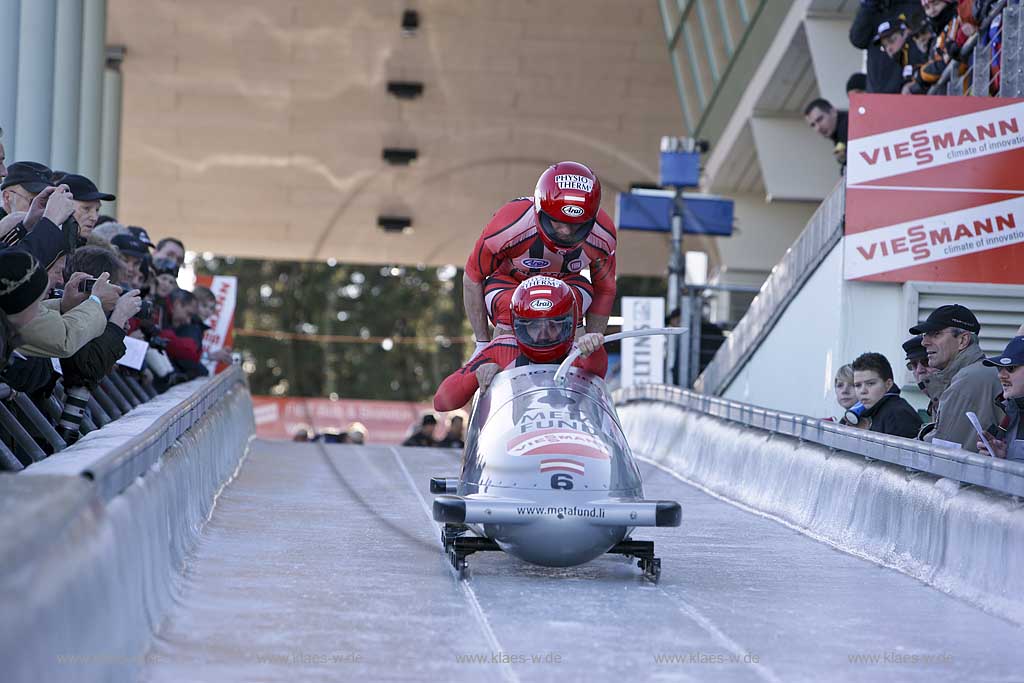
(888, 412)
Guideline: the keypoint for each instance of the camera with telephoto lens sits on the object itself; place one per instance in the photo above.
(854, 413)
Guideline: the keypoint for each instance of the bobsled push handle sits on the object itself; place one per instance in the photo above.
(563, 369)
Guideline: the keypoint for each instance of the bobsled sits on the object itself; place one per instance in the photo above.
(547, 476)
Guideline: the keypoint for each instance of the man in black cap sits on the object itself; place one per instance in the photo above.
(87, 202)
(134, 254)
(962, 383)
(25, 180)
(1010, 364)
(884, 74)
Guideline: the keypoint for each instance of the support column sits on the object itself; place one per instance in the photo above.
(90, 128)
(34, 106)
(67, 76)
(110, 147)
(10, 10)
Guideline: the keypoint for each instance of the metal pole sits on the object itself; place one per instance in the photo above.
(34, 107)
(21, 437)
(10, 11)
(8, 460)
(110, 140)
(39, 422)
(98, 414)
(696, 320)
(682, 348)
(123, 406)
(94, 58)
(66, 77)
(675, 269)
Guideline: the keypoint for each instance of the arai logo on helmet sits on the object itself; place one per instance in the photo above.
(536, 262)
(571, 181)
(541, 304)
(572, 211)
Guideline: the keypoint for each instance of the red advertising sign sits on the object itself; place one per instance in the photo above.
(386, 422)
(222, 322)
(935, 189)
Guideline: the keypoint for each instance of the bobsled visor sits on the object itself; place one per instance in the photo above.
(544, 332)
(574, 238)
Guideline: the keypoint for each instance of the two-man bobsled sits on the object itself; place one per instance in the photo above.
(547, 476)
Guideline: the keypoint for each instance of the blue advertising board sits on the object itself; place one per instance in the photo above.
(652, 210)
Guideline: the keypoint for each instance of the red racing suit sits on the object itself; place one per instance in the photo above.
(510, 247)
(458, 388)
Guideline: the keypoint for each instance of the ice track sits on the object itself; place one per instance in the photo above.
(322, 563)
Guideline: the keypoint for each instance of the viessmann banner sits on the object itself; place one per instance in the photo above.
(935, 189)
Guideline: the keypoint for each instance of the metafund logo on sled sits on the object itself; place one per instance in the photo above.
(934, 189)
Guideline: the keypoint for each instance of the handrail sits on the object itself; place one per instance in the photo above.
(116, 470)
(963, 466)
(563, 368)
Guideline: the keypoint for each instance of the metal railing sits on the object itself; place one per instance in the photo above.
(963, 466)
(113, 471)
(27, 432)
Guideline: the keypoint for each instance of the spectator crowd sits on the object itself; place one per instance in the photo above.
(948, 366)
(909, 45)
(74, 285)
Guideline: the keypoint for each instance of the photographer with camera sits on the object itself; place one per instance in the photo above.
(63, 326)
(47, 230)
(84, 370)
(86, 197)
(24, 181)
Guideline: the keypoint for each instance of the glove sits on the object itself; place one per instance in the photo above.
(479, 347)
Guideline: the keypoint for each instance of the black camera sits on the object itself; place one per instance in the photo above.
(85, 286)
(158, 343)
(70, 231)
(166, 266)
(145, 311)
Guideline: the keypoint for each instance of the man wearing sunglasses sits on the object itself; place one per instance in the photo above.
(917, 366)
(961, 382)
(1010, 364)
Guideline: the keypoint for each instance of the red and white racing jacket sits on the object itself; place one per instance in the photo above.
(458, 388)
(511, 245)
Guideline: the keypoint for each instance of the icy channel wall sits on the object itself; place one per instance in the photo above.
(966, 540)
(93, 540)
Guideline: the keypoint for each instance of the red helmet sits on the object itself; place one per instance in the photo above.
(545, 314)
(568, 193)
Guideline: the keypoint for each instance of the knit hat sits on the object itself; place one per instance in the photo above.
(22, 281)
